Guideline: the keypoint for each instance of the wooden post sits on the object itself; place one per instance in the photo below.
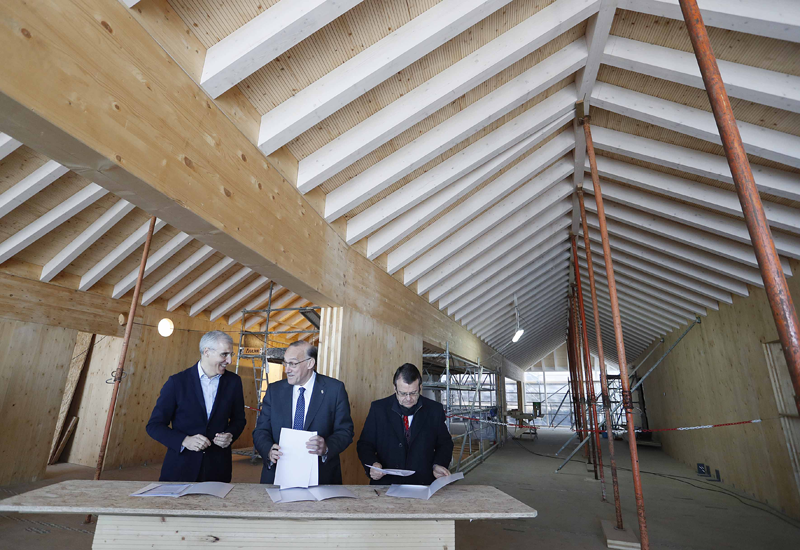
(601, 357)
(121, 364)
(623, 366)
(581, 394)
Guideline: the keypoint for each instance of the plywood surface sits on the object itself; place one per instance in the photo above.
(250, 500)
(34, 360)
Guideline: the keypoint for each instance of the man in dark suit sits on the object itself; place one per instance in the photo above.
(406, 431)
(199, 413)
(306, 401)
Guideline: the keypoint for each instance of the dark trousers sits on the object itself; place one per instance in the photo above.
(201, 477)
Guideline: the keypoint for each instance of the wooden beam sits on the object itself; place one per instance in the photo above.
(86, 239)
(369, 68)
(768, 180)
(218, 291)
(154, 261)
(534, 166)
(239, 297)
(772, 18)
(460, 126)
(446, 86)
(425, 196)
(283, 301)
(261, 301)
(174, 276)
(178, 171)
(265, 37)
(763, 142)
(198, 284)
(8, 145)
(115, 257)
(778, 90)
(49, 221)
(30, 185)
(546, 187)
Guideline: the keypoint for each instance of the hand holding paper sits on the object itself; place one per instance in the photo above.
(296, 467)
(388, 471)
(421, 491)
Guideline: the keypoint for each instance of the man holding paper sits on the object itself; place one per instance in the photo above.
(199, 413)
(305, 401)
(406, 431)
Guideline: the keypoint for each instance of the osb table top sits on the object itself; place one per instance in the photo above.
(249, 500)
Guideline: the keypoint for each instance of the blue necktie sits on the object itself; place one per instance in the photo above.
(300, 411)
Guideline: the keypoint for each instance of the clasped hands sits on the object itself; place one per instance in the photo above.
(316, 446)
(200, 442)
(438, 471)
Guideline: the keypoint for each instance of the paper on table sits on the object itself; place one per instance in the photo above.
(320, 492)
(296, 466)
(392, 472)
(422, 492)
(211, 488)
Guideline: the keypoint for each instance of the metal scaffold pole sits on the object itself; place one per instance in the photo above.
(780, 300)
(602, 360)
(617, 319)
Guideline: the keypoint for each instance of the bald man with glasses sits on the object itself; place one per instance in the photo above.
(406, 431)
(308, 401)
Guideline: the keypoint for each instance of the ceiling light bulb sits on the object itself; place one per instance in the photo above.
(165, 327)
(517, 335)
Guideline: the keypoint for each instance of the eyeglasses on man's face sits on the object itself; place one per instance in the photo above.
(294, 364)
(407, 394)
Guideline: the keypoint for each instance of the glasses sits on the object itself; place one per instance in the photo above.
(291, 365)
(407, 394)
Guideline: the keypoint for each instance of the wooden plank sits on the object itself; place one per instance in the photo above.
(250, 501)
(34, 361)
(133, 532)
(73, 421)
(80, 359)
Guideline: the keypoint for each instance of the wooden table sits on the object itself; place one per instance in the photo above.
(247, 518)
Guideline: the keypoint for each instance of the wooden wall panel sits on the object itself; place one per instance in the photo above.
(370, 353)
(34, 360)
(80, 355)
(719, 374)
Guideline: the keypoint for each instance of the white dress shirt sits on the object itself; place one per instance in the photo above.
(309, 386)
(210, 387)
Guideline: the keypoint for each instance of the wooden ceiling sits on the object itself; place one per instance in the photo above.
(438, 138)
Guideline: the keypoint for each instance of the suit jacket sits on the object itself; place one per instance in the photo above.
(383, 440)
(328, 414)
(182, 406)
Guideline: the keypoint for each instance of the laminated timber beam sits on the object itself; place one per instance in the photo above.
(134, 122)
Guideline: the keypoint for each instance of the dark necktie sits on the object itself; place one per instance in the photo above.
(405, 425)
(300, 411)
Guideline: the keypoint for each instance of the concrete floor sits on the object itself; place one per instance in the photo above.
(680, 513)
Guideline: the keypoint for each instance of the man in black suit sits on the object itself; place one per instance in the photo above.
(406, 431)
(306, 401)
(204, 405)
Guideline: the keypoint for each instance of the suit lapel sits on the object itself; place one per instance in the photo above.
(223, 381)
(316, 401)
(288, 390)
(194, 376)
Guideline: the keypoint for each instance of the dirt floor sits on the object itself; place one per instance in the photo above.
(683, 510)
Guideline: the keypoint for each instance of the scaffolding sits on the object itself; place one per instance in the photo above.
(469, 393)
(259, 348)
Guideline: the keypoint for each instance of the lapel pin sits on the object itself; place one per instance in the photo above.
(321, 391)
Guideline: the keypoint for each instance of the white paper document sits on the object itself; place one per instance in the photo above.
(212, 488)
(296, 467)
(320, 492)
(422, 492)
(391, 472)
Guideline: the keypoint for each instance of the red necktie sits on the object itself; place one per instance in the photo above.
(405, 425)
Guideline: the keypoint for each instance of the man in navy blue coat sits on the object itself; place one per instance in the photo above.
(199, 414)
(306, 401)
(406, 431)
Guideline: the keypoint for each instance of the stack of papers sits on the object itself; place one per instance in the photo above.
(320, 492)
(422, 492)
(389, 471)
(296, 467)
(212, 488)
